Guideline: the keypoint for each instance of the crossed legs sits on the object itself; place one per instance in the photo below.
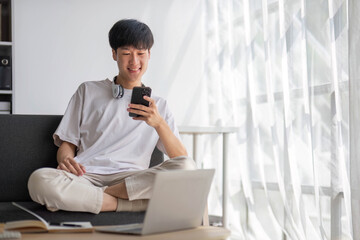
(128, 191)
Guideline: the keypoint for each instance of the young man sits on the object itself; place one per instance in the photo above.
(104, 154)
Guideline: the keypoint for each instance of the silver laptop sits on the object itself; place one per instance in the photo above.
(178, 202)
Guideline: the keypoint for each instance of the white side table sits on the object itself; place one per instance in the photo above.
(224, 131)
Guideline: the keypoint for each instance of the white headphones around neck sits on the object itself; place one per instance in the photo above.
(118, 90)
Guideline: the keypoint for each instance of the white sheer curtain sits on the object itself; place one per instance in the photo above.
(279, 70)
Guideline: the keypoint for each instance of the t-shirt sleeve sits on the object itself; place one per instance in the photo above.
(169, 118)
(69, 127)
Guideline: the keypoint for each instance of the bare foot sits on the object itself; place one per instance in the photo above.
(109, 203)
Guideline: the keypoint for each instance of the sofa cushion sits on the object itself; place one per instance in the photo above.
(12, 213)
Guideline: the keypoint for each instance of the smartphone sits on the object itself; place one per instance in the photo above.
(137, 97)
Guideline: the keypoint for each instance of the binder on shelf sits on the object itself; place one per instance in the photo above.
(5, 21)
(5, 73)
(0, 21)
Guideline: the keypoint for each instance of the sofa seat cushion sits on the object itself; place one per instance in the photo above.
(11, 213)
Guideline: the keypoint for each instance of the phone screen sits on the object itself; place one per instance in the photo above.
(137, 97)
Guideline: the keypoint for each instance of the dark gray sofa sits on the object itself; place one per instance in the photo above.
(26, 144)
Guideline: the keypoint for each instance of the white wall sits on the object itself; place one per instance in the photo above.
(60, 43)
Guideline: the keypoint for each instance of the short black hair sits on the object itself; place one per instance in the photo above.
(130, 32)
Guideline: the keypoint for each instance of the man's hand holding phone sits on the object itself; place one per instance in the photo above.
(137, 98)
(144, 108)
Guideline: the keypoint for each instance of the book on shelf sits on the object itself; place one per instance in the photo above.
(41, 225)
(5, 105)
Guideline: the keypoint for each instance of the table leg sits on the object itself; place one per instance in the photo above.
(225, 181)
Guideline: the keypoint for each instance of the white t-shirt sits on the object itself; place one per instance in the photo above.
(108, 140)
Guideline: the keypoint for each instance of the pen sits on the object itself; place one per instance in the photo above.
(65, 224)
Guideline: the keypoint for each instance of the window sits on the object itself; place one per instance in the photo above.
(279, 70)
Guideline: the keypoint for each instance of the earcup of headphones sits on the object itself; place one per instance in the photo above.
(117, 90)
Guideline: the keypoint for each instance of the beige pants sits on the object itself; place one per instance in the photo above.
(58, 189)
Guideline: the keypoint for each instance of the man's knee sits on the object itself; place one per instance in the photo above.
(180, 163)
(39, 183)
(36, 179)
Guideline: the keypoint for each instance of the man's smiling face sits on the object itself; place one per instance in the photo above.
(132, 63)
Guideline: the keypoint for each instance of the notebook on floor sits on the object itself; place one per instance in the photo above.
(178, 202)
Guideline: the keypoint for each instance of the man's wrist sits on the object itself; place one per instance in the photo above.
(160, 125)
